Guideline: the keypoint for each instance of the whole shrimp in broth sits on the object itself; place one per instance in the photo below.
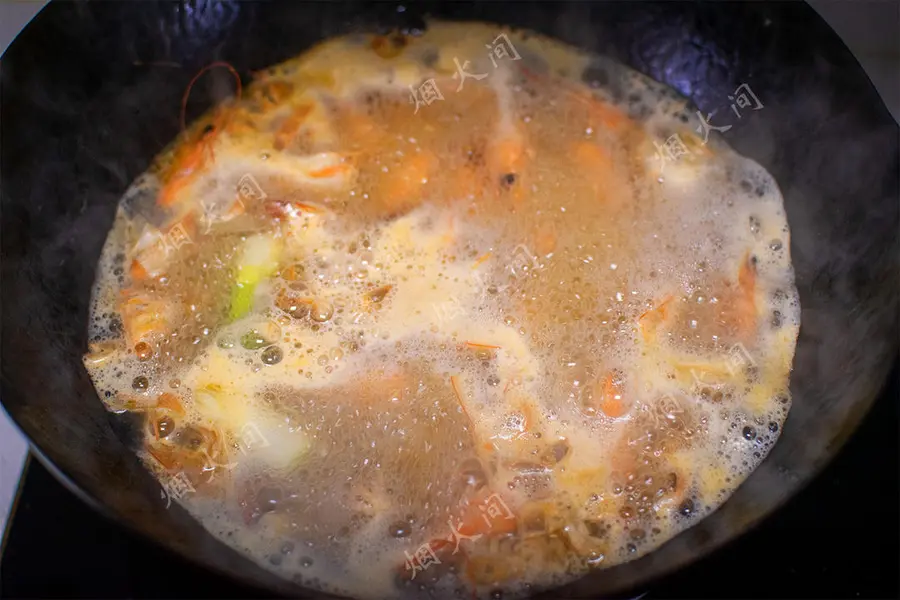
(409, 316)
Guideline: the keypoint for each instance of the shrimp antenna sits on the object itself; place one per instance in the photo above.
(212, 65)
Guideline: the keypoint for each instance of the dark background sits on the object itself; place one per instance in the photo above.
(836, 539)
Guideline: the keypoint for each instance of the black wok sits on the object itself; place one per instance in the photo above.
(91, 93)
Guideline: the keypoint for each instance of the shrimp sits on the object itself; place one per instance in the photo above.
(195, 156)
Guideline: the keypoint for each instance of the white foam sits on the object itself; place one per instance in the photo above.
(463, 281)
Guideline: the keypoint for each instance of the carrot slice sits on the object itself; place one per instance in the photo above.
(137, 271)
(741, 310)
(487, 514)
(377, 295)
(329, 171)
(454, 382)
(650, 320)
(165, 457)
(479, 345)
(481, 259)
(611, 399)
(170, 402)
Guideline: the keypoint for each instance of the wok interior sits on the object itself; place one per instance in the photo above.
(77, 141)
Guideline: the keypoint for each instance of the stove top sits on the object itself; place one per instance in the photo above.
(836, 539)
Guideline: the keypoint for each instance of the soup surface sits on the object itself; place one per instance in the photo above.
(449, 314)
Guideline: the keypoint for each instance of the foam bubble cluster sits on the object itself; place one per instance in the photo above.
(370, 334)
